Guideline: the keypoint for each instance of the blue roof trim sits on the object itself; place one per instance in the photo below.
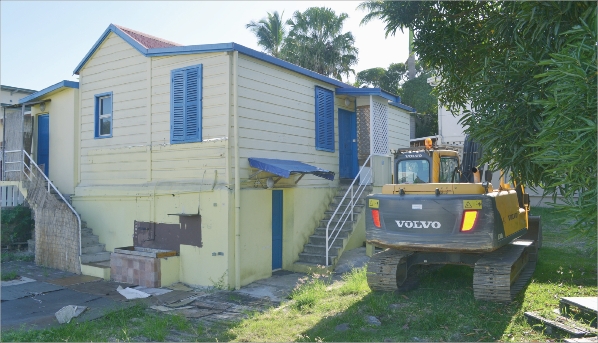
(61, 84)
(395, 100)
(284, 168)
(190, 49)
(402, 106)
(205, 48)
(118, 32)
(369, 91)
(284, 64)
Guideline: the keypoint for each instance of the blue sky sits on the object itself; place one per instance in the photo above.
(43, 41)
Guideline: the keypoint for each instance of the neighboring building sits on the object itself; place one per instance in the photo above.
(55, 114)
(174, 147)
(9, 97)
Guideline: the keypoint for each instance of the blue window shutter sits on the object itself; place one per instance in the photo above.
(177, 106)
(193, 104)
(186, 104)
(324, 119)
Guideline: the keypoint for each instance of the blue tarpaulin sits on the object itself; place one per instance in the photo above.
(284, 168)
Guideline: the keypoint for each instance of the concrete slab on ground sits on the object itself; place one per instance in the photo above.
(31, 270)
(39, 311)
(101, 306)
(18, 281)
(74, 280)
(275, 288)
(102, 288)
(27, 289)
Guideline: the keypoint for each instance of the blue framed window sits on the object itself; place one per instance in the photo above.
(103, 115)
(324, 119)
(186, 104)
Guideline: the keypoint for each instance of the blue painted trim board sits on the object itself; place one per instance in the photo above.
(47, 90)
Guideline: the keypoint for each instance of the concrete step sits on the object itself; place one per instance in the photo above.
(89, 240)
(356, 210)
(321, 249)
(344, 224)
(93, 248)
(344, 187)
(86, 231)
(321, 239)
(317, 259)
(337, 200)
(83, 224)
(321, 231)
(95, 257)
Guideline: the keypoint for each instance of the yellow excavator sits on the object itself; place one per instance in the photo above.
(438, 211)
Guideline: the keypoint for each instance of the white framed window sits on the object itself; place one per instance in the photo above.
(103, 115)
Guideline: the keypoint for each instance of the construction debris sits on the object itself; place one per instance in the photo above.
(132, 293)
(65, 314)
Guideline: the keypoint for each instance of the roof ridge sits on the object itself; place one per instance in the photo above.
(132, 33)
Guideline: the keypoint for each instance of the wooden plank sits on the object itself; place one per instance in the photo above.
(561, 323)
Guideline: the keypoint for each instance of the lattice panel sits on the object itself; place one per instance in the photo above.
(380, 129)
(363, 133)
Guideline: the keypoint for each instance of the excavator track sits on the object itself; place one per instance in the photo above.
(501, 274)
(382, 269)
(498, 276)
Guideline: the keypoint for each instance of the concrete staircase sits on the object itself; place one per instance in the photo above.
(92, 251)
(314, 252)
(95, 260)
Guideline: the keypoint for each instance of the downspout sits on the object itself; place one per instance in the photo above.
(237, 175)
(3, 142)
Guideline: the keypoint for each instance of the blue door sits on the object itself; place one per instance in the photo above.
(276, 229)
(347, 144)
(43, 142)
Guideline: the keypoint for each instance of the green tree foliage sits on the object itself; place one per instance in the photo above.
(416, 93)
(528, 69)
(316, 41)
(389, 79)
(16, 224)
(270, 32)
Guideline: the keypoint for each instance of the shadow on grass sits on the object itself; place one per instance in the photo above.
(442, 308)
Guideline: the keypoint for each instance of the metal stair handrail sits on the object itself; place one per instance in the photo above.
(50, 184)
(346, 215)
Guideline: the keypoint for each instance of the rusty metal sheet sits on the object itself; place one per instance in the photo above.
(168, 236)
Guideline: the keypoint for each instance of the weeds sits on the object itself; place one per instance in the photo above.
(10, 275)
(8, 256)
(221, 283)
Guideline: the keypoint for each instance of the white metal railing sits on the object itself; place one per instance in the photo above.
(10, 196)
(353, 196)
(29, 175)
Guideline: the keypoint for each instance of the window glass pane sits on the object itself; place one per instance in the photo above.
(447, 167)
(413, 171)
(106, 105)
(105, 126)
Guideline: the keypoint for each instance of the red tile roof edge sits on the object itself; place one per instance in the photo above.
(147, 41)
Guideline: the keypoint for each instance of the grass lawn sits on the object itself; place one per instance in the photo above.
(441, 309)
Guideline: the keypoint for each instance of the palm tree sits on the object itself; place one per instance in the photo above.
(270, 32)
(316, 42)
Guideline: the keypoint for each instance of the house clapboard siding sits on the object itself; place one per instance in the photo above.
(276, 118)
(201, 160)
(139, 150)
(118, 68)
